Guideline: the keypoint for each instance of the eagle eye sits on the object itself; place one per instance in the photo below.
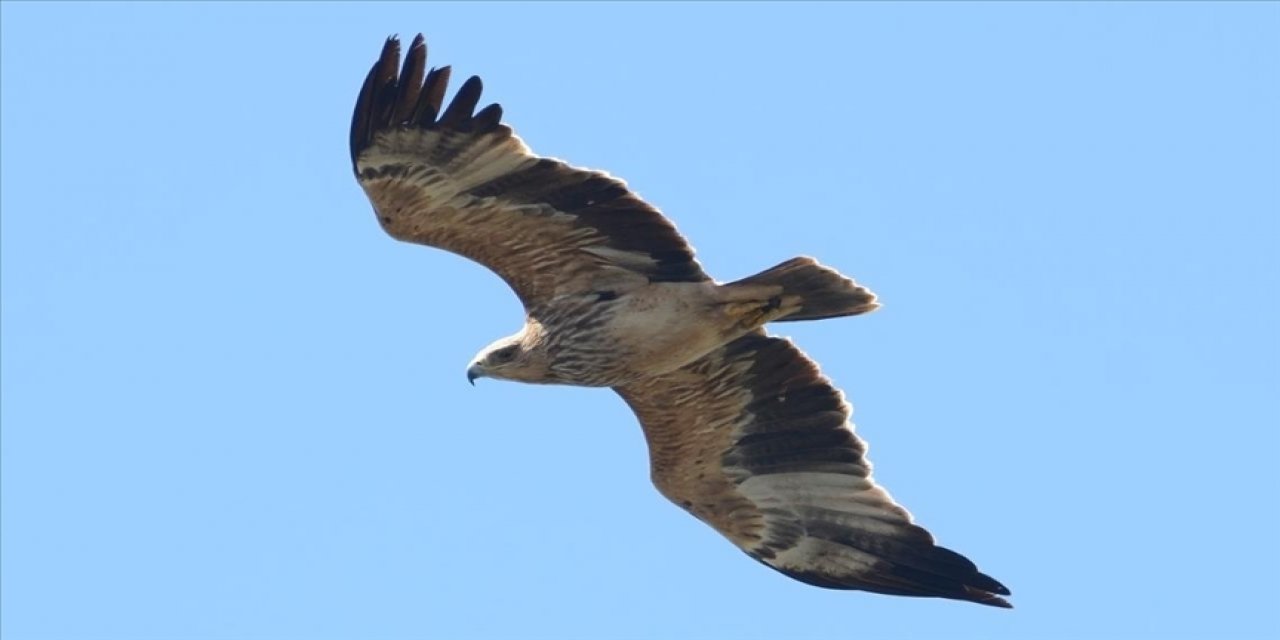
(505, 354)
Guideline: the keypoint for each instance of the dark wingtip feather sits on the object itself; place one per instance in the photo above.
(966, 572)
(428, 107)
(373, 106)
(410, 81)
(488, 118)
(993, 585)
(360, 123)
(989, 599)
(458, 114)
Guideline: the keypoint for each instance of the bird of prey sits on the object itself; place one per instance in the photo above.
(743, 430)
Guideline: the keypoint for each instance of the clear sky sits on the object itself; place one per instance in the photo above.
(234, 408)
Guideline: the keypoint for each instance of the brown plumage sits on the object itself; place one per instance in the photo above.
(743, 430)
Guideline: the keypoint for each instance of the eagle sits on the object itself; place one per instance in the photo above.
(744, 432)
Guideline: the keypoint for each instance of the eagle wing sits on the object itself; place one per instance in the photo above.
(753, 440)
(460, 180)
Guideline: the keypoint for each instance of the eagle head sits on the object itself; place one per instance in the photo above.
(511, 358)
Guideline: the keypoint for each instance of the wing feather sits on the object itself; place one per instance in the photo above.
(460, 180)
(756, 442)
(410, 84)
(432, 95)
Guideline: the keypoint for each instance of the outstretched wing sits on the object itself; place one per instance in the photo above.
(460, 180)
(753, 440)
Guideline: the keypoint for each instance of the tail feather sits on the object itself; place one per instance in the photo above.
(822, 292)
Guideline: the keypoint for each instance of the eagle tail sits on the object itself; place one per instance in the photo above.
(820, 292)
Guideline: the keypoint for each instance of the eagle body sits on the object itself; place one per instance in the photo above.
(614, 337)
(744, 431)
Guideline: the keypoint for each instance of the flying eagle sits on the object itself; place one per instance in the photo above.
(743, 430)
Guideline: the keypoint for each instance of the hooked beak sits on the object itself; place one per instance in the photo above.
(475, 371)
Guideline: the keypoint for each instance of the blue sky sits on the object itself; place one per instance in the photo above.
(234, 408)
